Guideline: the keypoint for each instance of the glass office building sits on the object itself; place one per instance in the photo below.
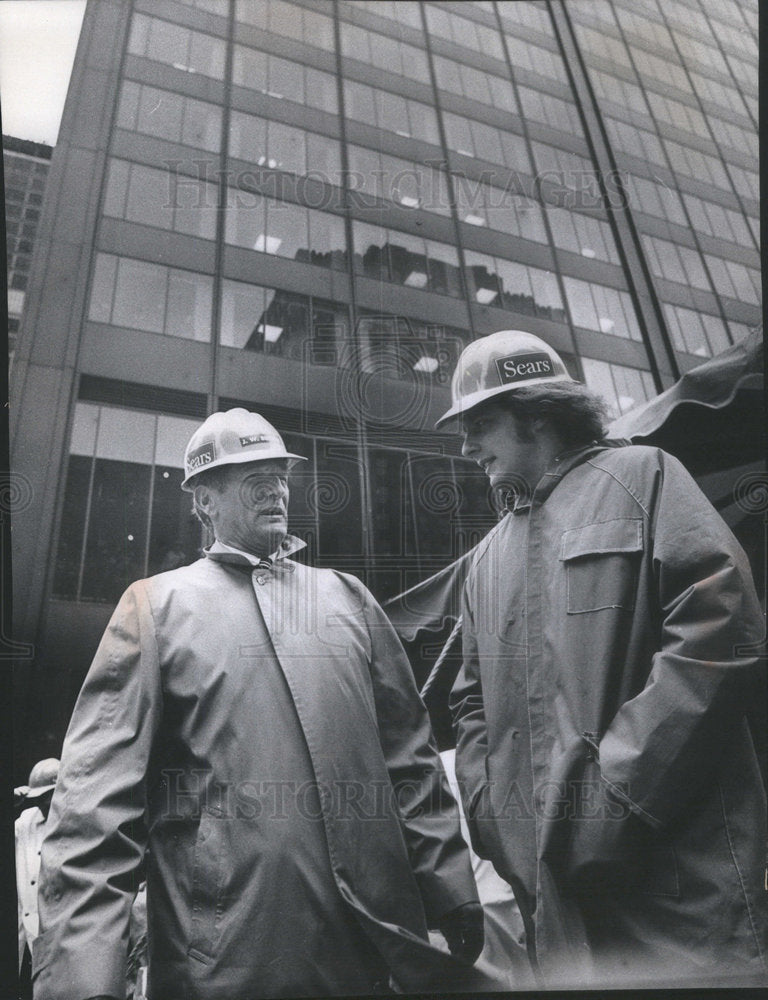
(308, 208)
(25, 170)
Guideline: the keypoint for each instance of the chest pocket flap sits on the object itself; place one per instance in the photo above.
(601, 565)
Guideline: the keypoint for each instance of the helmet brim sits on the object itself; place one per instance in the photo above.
(474, 399)
(188, 485)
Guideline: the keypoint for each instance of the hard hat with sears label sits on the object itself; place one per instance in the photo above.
(231, 438)
(501, 363)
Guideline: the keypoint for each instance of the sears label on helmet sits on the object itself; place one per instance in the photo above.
(201, 456)
(520, 367)
(251, 439)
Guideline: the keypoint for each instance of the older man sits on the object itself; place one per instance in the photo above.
(30, 828)
(254, 724)
(607, 766)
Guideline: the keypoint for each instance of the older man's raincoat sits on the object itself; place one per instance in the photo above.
(610, 633)
(259, 731)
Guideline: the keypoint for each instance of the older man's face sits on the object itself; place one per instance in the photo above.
(250, 511)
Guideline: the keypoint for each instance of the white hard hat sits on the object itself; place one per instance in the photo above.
(501, 363)
(42, 777)
(231, 438)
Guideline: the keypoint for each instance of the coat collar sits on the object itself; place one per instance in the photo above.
(220, 552)
(568, 460)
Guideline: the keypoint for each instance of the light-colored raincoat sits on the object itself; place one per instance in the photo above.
(257, 729)
(607, 765)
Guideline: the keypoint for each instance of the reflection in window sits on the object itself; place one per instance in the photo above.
(411, 184)
(285, 324)
(407, 348)
(536, 59)
(735, 280)
(390, 112)
(481, 204)
(180, 47)
(654, 198)
(582, 234)
(518, 287)
(284, 78)
(169, 200)
(288, 19)
(695, 332)
(463, 31)
(486, 142)
(486, 88)
(148, 296)
(549, 110)
(169, 116)
(389, 255)
(622, 388)
(565, 170)
(125, 516)
(384, 52)
(274, 146)
(285, 229)
(597, 307)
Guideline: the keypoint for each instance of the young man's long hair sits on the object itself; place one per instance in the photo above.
(574, 412)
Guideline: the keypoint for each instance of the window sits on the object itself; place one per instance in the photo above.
(654, 198)
(407, 348)
(410, 184)
(284, 79)
(694, 332)
(463, 31)
(162, 198)
(152, 297)
(390, 112)
(622, 388)
(734, 280)
(536, 59)
(281, 323)
(288, 19)
(169, 116)
(281, 147)
(285, 229)
(518, 287)
(714, 220)
(567, 173)
(486, 142)
(550, 111)
(701, 166)
(384, 52)
(596, 307)
(481, 204)
(389, 255)
(487, 88)
(180, 47)
(527, 14)
(582, 234)
(125, 516)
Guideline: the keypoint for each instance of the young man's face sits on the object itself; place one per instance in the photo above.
(251, 510)
(499, 444)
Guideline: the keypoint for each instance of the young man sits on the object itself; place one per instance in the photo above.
(251, 725)
(603, 750)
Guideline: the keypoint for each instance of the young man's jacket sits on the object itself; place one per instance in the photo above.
(258, 729)
(605, 758)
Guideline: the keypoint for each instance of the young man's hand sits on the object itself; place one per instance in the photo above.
(463, 930)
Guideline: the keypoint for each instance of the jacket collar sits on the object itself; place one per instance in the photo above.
(568, 460)
(221, 552)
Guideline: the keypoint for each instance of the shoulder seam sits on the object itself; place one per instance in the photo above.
(624, 486)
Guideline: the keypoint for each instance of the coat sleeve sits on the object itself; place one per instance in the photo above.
(97, 835)
(664, 744)
(439, 857)
(466, 701)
